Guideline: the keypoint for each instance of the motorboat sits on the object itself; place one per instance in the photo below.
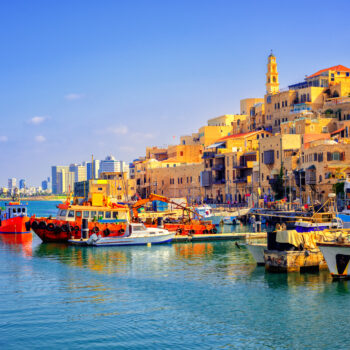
(135, 234)
(336, 252)
(257, 251)
(13, 217)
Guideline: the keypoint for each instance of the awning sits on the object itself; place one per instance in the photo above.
(337, 131)
(217, 144)
(311, 167)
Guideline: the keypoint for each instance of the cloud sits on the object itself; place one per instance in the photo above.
(37, 120)
(3, 138)
(40, 138)
(118, 130)
(74, 96)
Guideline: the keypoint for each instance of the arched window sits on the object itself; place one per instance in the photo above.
(268, 80)
(320, 179)
(274, 79)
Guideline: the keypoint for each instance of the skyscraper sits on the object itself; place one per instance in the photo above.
(12, 182)
(22, 184)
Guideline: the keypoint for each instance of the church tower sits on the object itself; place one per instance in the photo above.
(272, 84)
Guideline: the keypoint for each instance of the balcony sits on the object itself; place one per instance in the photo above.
(207, 155)
(219, 181)
(219, 167)
(310, 177)
(240, 180)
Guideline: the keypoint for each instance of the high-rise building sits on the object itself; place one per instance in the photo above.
(62, 179)
(44, 185)
(12, 183)
(92, 171)
(79, 172)
(111, 165)
(22, 184)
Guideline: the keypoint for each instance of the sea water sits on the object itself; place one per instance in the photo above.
(173, 296)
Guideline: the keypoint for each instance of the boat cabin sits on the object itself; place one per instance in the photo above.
(100, 214)
(204, 211)
(12, 210)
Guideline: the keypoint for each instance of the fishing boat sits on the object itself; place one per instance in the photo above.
(217, 217)
(104, 218)
(325, 218)
(13, 217)
(230, 220)
(336, 252)
(135, 234)
(344, 214)
(257, 251)
(189, 223)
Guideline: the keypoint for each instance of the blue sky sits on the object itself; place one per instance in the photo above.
(110, 77)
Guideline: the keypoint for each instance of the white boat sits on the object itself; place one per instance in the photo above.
(326, 222)
(216, 218)
(337, 256)
(257, 250)
(230, 220)
(344, 215)
(135, 234)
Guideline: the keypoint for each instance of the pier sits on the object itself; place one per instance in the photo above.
(218, 237)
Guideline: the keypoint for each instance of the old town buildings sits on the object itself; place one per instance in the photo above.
(293, 142)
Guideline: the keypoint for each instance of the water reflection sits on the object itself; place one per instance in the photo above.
(18, 242)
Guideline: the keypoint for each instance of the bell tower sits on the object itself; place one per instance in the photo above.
(272, 84)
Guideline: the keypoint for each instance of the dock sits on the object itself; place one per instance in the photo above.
(218, 237)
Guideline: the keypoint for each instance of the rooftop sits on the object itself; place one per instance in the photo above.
(338, 68)
(245, 134)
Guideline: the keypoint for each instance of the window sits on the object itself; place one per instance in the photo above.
(277, 155)
(108, 215)
(320, 178)
(71, 214)
(92, 214)
(181, 154)
(336, 156)
(115, 215)
(63, 213)
(100, 214)
(85, 214)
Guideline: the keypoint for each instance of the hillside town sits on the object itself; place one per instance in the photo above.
(292, 143)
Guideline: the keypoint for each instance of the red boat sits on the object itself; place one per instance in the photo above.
(106, 219)
(13, 217)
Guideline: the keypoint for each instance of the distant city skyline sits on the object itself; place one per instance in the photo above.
(88, 78)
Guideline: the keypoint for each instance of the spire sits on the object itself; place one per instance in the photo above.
(272, 84)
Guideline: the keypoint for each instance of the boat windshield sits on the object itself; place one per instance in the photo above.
(62, 213)
(140, 227)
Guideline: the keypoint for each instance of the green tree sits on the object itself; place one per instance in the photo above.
(277, 185)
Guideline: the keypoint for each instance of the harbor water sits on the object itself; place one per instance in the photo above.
(173, 296)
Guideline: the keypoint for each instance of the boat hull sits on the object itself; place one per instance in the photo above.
(337, 257)
(14, 225)
(257, 251)
(123, 241)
